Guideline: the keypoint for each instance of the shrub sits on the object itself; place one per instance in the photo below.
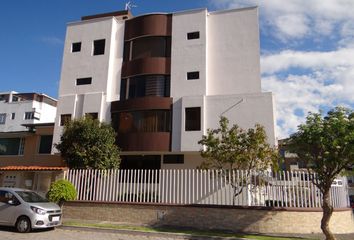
(61, 191)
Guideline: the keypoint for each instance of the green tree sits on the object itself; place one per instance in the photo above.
(87, 143)
(61, 191)
(326, 144)
(233, 148)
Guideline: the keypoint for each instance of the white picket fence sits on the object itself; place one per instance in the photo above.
(191, 186)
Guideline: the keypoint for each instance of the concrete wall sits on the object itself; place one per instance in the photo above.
(253, 220)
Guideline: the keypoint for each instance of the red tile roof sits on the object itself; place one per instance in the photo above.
(31, 168)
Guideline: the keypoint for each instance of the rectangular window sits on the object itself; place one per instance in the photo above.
(45, 144)
(13, 116)
(98, 46)
(192, 122)
(92, 115)
(76, 47)
(29, 115)
(173, 159)
(192, 75)
(2, 118)
(64, 118)
(83, 81)
(192, 35)
(11, 146)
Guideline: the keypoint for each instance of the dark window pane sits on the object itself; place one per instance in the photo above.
(146, 47)
(192, 75)
(2, 118)
(140, 162)
(92, 115)
(83, 81)
(64, 118)
(29, 115)
(123, 89)
(76, 47)
(10, 146)
(126, 51)
(144, 121)
(98, 46)
(173, 159)
(45, 145)
(146, 85)
(192, 35)
(192, 119)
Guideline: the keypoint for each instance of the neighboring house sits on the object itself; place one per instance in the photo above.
(26, 135)
(163, 79)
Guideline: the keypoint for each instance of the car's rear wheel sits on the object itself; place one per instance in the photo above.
(23, 224)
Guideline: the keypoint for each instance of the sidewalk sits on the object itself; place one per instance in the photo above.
(175, 233)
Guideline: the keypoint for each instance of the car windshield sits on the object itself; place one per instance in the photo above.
(31, 197)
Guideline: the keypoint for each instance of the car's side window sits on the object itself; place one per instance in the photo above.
(5, 196)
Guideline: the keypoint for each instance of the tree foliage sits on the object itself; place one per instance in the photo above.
(235, 148)
(61, 191)
(87, 143)
(326, 144)
(228, 149)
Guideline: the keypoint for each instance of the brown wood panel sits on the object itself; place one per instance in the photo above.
(148, 25)
(156, 65)
(144, 103)
(144, 141)
(110, 14)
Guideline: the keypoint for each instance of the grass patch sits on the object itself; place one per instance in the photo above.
(191, 232)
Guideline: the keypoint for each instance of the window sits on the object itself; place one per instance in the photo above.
(64, 118)
(173, 159)
(146, 85)
(11, 146)
(13, 116)
(192, 119)
(192, 75)
(29, 115)
(146, 47)
(192, 35)
(142, 121)
(2, 118)
(98, 46)
(92, 115)
(45, 144)
(76, 47)
(83, 81)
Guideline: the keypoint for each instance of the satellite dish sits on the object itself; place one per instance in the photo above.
(129, 5)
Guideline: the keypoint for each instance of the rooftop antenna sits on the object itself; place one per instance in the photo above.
(129, 5)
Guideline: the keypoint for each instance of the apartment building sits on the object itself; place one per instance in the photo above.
(162, 80)
(26, 134)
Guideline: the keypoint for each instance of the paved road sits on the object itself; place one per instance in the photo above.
(69, 234)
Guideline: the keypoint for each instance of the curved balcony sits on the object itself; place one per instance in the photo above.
(148, 25)
(157, 65)
(145, 103)
(144, 141)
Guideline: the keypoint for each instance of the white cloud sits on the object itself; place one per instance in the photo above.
(295, 19)
(329, 82)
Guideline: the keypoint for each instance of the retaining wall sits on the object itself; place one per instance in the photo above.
(234, 218)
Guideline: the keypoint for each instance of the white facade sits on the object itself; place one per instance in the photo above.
(13, 111)
(227, 58)
(105, 70)
(226, 55)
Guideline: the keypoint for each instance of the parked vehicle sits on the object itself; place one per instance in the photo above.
(26, 210)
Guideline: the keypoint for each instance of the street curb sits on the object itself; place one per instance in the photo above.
(152, 234)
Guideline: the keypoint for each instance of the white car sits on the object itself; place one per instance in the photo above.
(26, 210)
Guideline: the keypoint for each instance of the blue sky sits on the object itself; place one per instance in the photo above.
(307, 47)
